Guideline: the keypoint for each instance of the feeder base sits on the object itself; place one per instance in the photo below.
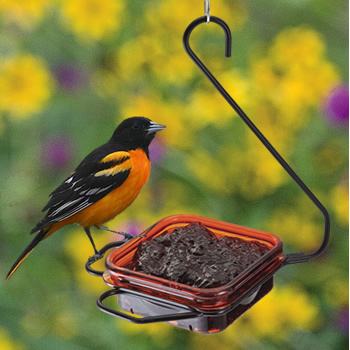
(206, 324)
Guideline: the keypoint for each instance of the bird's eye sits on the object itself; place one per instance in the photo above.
(136, 126)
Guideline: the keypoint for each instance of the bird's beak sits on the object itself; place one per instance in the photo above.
(154, 127)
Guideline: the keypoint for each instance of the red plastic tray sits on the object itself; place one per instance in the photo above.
(221, 300)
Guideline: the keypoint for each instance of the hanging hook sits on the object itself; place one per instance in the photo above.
(207, 10)
(187, 34)
(294, 257)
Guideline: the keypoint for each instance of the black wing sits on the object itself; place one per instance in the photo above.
(93, 179)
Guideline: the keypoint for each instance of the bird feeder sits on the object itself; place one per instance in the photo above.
(144, 298)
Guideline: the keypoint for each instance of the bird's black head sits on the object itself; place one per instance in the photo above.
(136, 132)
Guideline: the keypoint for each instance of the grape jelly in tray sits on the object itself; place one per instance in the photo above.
(204, 310)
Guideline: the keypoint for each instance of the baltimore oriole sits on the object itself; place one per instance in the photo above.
(104, 184)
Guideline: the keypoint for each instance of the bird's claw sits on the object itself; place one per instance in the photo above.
(95, 258)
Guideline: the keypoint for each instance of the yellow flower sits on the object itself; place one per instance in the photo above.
(207, 106)
(294, 75)
(160, 333)
(298, 46)
(92, 19)
(24, 13)
(297, 233)
(251, 170)
(299, 226)
(138, 55)
(7, 343)
(174, 68)
(264, 76)
(340, 202)
(282, 311)
(278, 128)
(147, 54)
(276, 316)
(25, 85)
(308, 86)
(248, 170)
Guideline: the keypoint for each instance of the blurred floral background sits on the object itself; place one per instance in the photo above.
(71, 70)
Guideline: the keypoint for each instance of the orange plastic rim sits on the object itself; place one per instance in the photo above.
(117, 273)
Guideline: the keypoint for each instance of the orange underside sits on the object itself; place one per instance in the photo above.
(117, 200)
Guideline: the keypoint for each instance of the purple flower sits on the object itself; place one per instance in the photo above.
(157, 151)
(133, 227)
(343, 320)
(57, 152)
(70, 77)
(337, 105)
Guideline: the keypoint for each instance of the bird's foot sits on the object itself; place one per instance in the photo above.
(97, 256)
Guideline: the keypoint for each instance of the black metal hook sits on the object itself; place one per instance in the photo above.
(294, 257)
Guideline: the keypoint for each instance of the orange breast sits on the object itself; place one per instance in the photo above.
(120, 198)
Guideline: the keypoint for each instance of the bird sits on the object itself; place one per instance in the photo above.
(103, 185)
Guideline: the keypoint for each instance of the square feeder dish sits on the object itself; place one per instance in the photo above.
(203, 310)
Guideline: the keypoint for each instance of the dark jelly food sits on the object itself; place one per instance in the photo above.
(194, 256)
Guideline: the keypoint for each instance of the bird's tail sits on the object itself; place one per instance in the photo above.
(41, 235)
